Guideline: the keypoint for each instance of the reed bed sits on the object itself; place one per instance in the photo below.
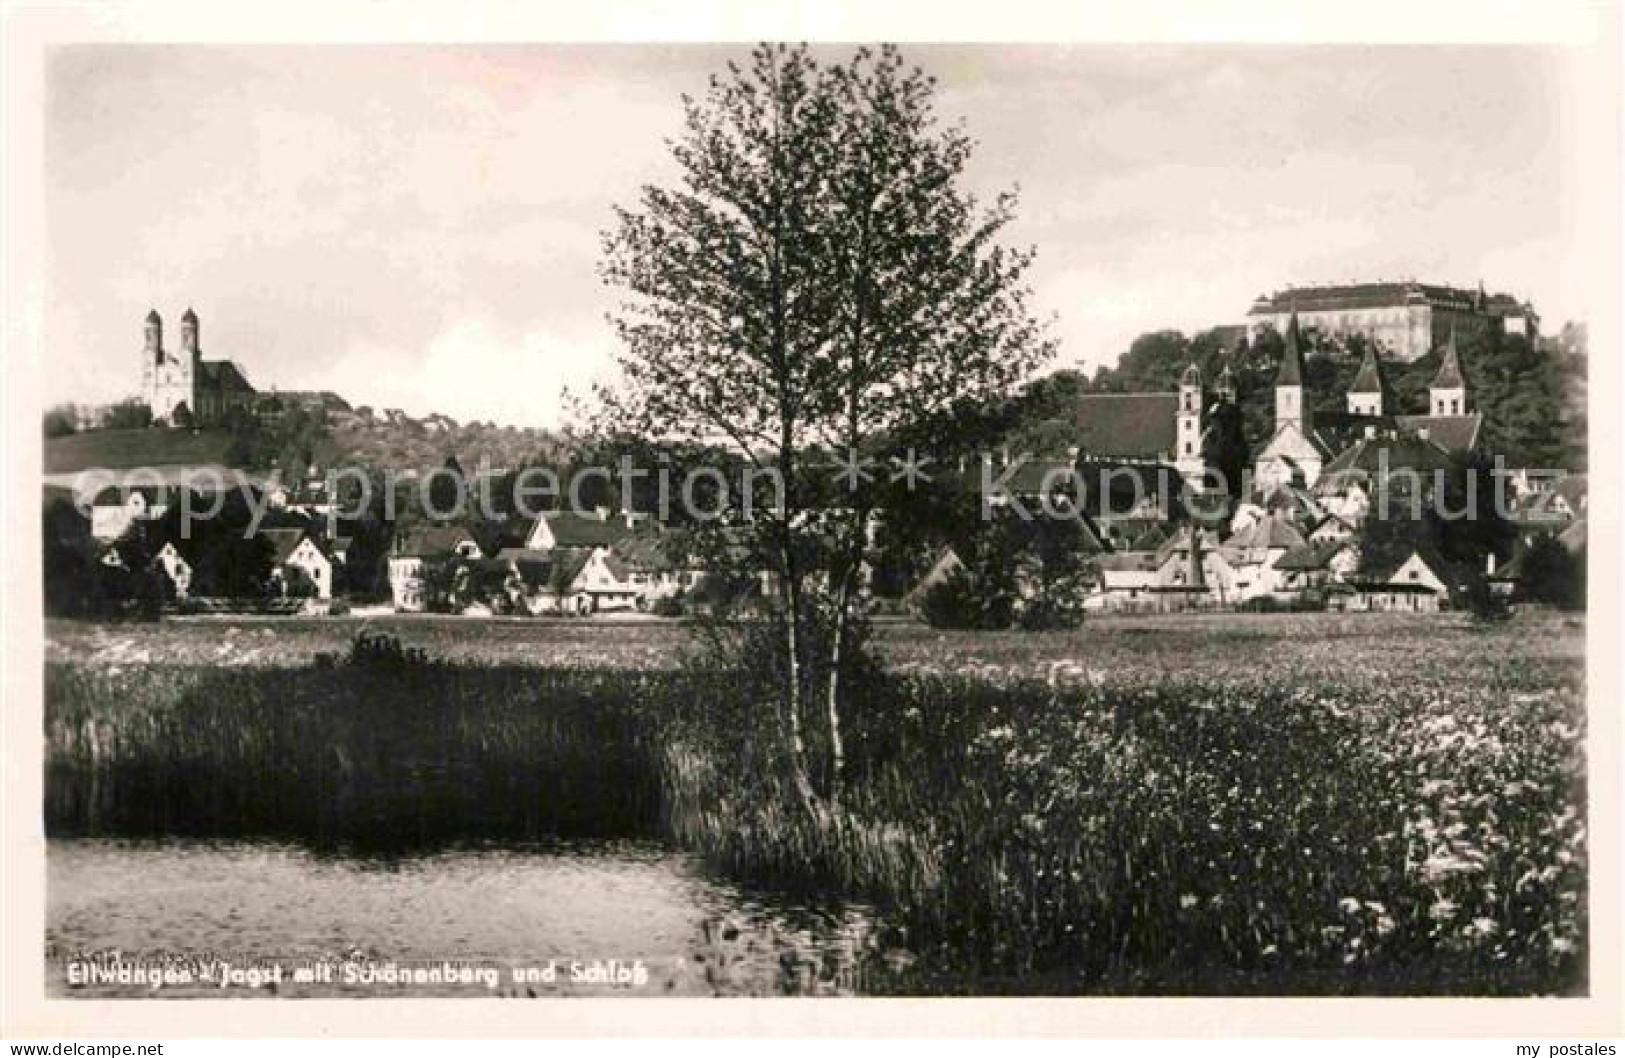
(1346, 823)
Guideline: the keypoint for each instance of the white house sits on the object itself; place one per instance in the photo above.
(115, 508)
(299, 558)
(413, 551)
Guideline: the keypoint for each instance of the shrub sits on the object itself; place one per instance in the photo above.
(667, 606)
(958, 601)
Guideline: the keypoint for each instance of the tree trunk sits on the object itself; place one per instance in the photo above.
(790, 710)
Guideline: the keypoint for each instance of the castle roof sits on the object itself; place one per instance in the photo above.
(1378, 295)
(153, 317)
(190, 317)
(1291, 372)
(1127, 425)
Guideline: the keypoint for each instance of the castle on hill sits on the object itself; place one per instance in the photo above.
(182, 388)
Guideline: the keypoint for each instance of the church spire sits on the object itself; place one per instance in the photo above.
(1289, 405)
(1447, 394)
(1369, 389)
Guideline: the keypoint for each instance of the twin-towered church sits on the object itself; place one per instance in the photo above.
(182, 388)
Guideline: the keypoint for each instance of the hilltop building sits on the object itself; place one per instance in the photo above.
(184, 388)
(1407, 320)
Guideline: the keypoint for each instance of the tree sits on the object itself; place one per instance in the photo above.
(61, 421)
(131, 413)
(815, 283)
(1551, 574)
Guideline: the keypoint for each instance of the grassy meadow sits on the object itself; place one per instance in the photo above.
(1226, 804)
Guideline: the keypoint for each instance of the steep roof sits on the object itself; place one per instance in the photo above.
(1269, 534)
(1450, 375)
(224, 375)
(1308, 557)
(1291, 371)
(1369, 378)
(572, 529)
(283, 542)
(1127, 425)
(1369, 457)
(1454, 433)
(433, 539)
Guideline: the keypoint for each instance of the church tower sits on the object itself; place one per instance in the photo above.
(1289, 405)
(1366, 393)
(1224, 387)
(153, 348)
(1188, 431)
(1447, 394)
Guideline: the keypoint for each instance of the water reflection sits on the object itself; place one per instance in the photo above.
(621, 918)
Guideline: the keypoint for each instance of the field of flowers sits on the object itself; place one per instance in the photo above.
(1270, 805)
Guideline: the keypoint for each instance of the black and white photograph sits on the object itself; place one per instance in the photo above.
(806, 519)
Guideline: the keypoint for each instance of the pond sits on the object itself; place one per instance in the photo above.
(261, 919)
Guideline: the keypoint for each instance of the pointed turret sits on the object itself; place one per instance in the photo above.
(190, 345)
(1291, 372)
(1368, 390)
(1447, 394)
(1289, 405)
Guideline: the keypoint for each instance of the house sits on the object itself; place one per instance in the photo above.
(1317, 564)
(1415, 585)
(175, 567)
(168, 560)
(415, 549)
(299, 559)
(115, 508)
(1330, 528)
(1125, 581)
(1379, 465)
(1254, 558)
(573, 529)
(1195, 571)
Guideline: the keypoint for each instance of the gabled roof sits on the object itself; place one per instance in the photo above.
(1310, 557)
(573, 529)
(1383, 573)
(1127, 425)
(1573, 488)
(1268, 534)
(433, 539)
(285, 541)
(1368, 457)
(1313, 442)
(1457, 433)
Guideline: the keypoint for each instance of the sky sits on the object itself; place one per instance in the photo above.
(419, 227)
